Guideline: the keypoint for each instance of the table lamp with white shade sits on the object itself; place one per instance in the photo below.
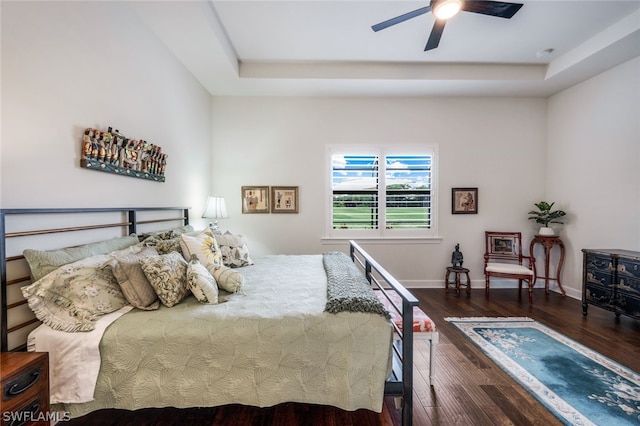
(215, 209)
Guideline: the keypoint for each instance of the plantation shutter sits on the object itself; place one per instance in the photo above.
(394, 193)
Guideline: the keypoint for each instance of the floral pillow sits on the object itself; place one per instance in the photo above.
(235, 252)
(201, 282)
(166, 234)
(163, 246)
(75, 295)
(228, 279)
(167, 274)
(204, 246)
(134, 284)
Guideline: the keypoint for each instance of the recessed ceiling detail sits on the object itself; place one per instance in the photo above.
(327, 48)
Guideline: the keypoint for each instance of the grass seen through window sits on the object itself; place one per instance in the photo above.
(366, 218)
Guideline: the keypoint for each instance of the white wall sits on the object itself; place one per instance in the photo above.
(495, 144)
(71, 65)
(592, 161)
(67, 66)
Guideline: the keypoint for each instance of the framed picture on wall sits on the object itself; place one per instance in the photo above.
(255, 199)
(464, 201)
(284, 199)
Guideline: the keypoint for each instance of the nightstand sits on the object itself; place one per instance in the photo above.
(24, 378)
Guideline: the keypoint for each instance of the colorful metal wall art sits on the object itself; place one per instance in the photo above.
(112, 152)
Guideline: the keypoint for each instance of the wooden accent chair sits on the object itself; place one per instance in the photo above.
(503, 258)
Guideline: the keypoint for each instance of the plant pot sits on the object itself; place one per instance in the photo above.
(546, 231)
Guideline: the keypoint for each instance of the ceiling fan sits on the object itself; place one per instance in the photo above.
(445, 9)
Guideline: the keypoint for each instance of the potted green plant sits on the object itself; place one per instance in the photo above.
(545, 216)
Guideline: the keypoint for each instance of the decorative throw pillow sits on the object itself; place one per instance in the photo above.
(201, 282)
(228, 279)
(161, 235)
(235, 252)
(204, 246)
(72, 297)
(134, 284)
(164, 246)
(167, 274)
(166, 234)
(43, 262)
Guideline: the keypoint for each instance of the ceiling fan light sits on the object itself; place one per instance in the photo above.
(446, 9)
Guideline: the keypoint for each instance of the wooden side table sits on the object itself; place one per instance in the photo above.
(456, 281)
(548, 241)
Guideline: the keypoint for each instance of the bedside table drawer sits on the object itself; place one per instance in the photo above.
(21, 383)
(27, 411)
(24, 387)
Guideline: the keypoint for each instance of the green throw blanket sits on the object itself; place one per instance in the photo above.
(347, 287)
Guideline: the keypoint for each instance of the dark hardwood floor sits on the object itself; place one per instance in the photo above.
(469, 389)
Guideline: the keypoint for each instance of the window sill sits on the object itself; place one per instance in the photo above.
(387, 240)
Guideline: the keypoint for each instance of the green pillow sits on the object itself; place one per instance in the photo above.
(43, 262)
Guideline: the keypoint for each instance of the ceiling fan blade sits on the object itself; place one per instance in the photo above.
(436, 33)
(492, 8)
(401, 18)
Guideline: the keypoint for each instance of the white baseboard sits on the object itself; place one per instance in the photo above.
(495, 284)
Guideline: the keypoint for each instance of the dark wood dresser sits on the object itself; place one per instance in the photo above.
(611, 280)
(25, 388)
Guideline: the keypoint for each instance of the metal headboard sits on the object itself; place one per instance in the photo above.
(126, 219)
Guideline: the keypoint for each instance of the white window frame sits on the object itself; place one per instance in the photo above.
(382, 151)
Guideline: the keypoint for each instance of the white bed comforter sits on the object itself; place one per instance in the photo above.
(272, 344)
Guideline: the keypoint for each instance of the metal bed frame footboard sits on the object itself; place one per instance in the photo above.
(128, 221)
(400, 382)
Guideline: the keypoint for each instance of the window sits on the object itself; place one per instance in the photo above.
(382, 192)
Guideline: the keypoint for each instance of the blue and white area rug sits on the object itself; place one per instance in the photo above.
(578, 385)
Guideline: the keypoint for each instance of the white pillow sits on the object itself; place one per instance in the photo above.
(235, 252)
(201, 282)
(228, 279)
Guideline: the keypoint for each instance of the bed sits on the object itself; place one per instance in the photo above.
(274, 341)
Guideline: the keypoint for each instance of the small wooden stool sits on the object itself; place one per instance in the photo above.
(457, 283)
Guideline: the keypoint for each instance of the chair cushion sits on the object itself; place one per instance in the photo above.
(508, 268)
(421, 321)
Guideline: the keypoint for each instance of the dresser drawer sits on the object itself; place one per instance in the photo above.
(597, 262)
(629, 267)
(599, 296)
(628, 285)
(628, 305)
(596, 277)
